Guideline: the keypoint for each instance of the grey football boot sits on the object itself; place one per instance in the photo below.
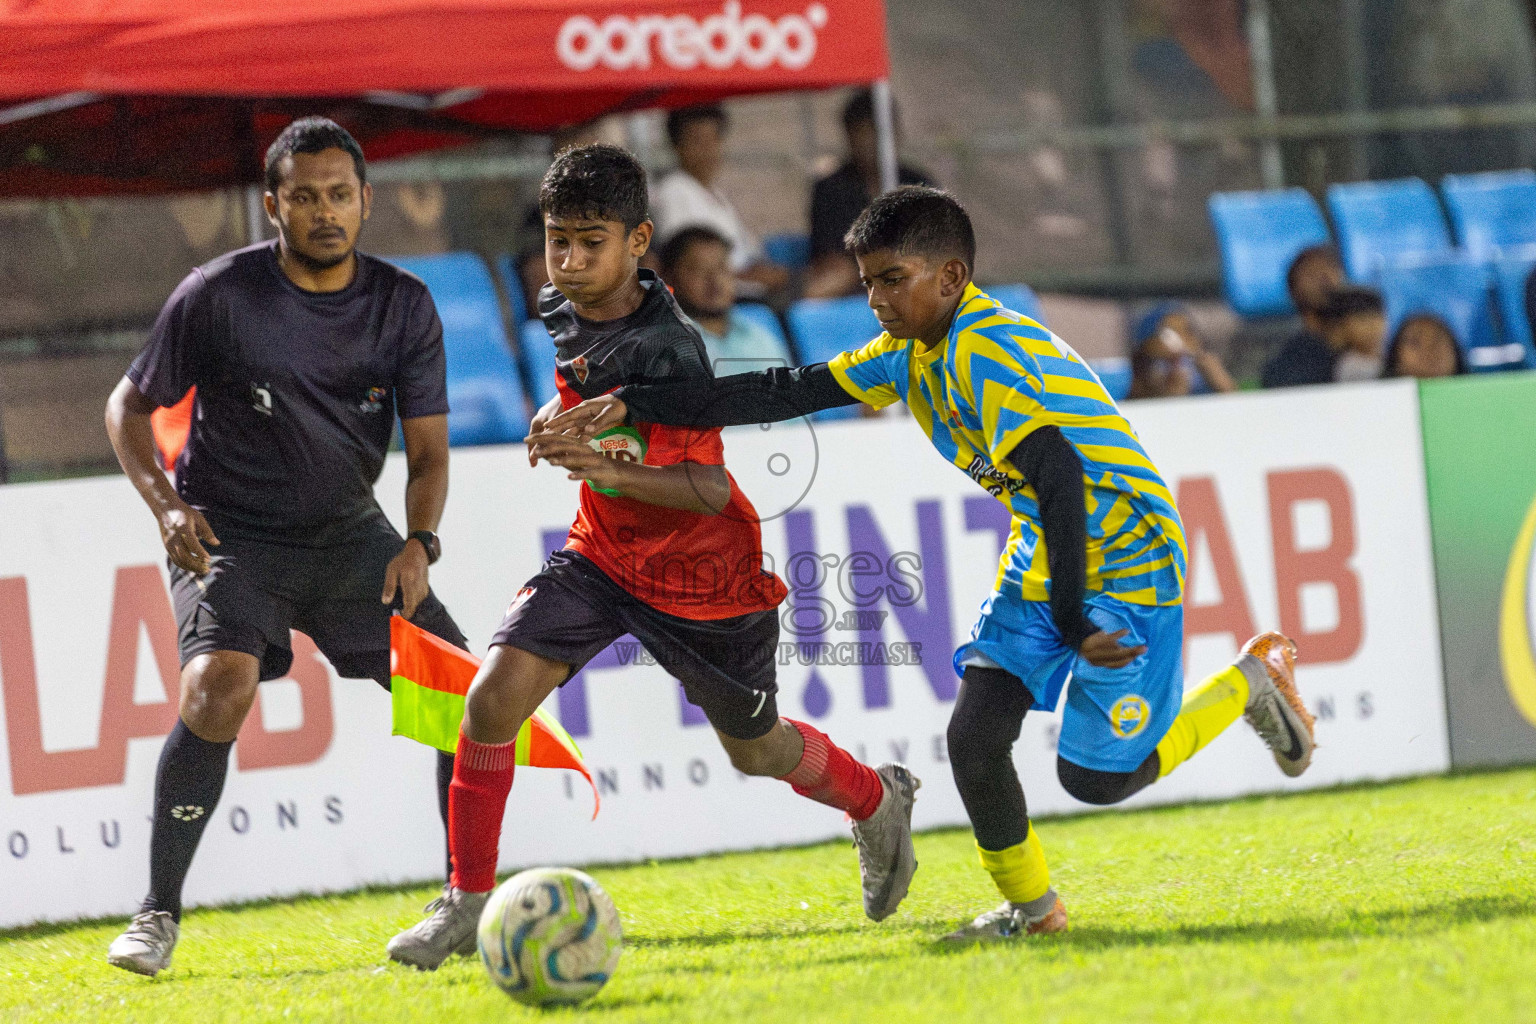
(146, 944)
(1274, 706)
(449, 928)
(886, 858)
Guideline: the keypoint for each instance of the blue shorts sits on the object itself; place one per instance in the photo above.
(1114, 718)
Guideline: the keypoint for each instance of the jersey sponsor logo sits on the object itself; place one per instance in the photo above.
(373, 401)
(679, 41)
(1129, 716)
(994, 480)
(580, 368)
(622, 443)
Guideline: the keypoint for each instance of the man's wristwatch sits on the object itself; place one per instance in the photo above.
(430, 543)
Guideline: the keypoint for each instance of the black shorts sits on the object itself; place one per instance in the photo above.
(572, 610)
(256, 591)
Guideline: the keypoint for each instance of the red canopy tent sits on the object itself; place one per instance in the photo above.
(144, 96)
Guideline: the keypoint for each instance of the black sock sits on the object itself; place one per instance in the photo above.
(188, 784)
(444, 780)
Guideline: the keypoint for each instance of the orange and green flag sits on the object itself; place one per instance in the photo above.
(428, 680)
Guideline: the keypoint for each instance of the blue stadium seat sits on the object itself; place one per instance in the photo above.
(1383, 222)
(765, 318)
(484, 392)
(1020, 298)
(538, 350)
(1115, 374)
(825, 327)
(1459, 289)
(788, 250)
(512, 283)
(1510, 273)
(1259, 234)
(1492, 211)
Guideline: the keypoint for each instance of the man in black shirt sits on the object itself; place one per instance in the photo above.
(302, 352)
(1306, 357)
(839, 198)
(1349, 328)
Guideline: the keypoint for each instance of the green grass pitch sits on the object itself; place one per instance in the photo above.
(1407, 902)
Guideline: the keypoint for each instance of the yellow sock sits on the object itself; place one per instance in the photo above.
(1208, 709)
(1020, 871)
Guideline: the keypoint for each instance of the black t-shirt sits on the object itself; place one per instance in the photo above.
(1304, 359)
(296, 391)
(839, 198)
(655, 342)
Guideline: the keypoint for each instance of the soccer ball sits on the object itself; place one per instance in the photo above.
(550, 935)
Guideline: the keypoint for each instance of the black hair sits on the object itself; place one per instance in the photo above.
(860, 109)
(672, 252)
(311, 135)
(1389, 361)
(1324, 250)
(680, 119)
(1348, 300)
(915, 220)
(599, 181)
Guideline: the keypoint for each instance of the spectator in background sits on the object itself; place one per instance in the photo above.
(696, 262)
(1424, 347)
(687, 196)
(1347, 345)
(841, 196)
(1166, 350)
(1313, 275)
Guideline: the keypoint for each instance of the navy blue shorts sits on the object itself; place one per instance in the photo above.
(256, 591)
(572, 610)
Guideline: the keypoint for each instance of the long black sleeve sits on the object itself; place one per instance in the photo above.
(1051, 465)
(766, 396)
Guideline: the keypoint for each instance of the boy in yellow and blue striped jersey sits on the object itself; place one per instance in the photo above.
(1090, 584)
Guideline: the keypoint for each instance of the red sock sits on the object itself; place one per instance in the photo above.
(829, 775)
(477, 800)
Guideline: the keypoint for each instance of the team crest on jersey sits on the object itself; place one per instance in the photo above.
(1129, 716)
(579, 368)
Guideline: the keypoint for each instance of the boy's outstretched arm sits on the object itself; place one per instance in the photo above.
(1052, 466)
(692, 486)
(766, 396)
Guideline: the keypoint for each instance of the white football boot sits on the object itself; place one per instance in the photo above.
(449, 928)
(146, 944)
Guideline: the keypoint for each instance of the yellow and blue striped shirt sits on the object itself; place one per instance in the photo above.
(998, 378)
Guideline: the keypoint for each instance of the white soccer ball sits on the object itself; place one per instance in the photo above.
(550, 935)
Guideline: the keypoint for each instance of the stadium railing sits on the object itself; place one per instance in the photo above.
(1259, 234)
(485, 392)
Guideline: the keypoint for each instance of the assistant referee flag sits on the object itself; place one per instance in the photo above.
(428, 680)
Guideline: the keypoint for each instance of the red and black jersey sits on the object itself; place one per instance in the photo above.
(683, 563)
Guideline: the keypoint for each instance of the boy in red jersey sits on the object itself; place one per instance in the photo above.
(665, 547)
